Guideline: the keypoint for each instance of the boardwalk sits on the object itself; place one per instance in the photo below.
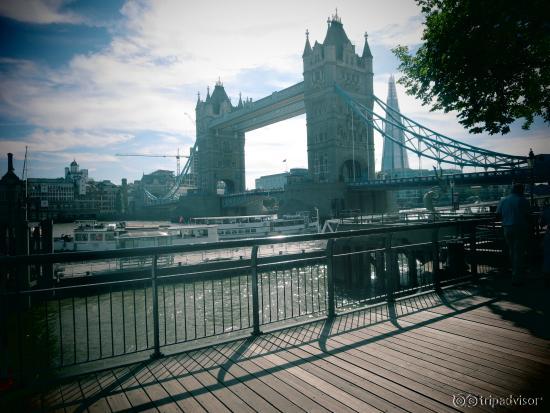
(421, 354)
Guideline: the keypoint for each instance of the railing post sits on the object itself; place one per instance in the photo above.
(255, 295)
(435, 259)
(391, 270)
(331, 309)
(156, 328)
(473, 250)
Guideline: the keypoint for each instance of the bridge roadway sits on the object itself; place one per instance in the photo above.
(278, 106)
(431, 352)
(503, 177)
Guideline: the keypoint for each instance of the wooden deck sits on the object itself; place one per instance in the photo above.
(418, 355)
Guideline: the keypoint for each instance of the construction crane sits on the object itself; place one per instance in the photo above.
(178, 157)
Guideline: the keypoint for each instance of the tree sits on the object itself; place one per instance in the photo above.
(489, 60)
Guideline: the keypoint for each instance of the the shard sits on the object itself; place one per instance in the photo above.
(394, 156)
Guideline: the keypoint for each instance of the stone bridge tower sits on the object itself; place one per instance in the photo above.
(340, 147)
(220, 153)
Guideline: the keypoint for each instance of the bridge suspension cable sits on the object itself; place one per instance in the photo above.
(181, 178)
(427, 143)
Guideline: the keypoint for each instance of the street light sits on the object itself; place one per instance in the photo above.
(531, 164)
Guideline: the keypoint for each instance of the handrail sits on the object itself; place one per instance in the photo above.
(136, 252)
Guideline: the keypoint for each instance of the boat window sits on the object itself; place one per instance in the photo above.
(109, 236)
(253, 230)
(81, 237)
(96, 236)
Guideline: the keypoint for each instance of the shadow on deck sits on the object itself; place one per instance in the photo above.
(469, 348)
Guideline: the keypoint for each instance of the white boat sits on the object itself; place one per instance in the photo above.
(162, 235)
(97, 236)
(292, 225)
(257, 226)
(235, 227)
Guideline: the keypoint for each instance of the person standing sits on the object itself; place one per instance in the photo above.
(514, 210)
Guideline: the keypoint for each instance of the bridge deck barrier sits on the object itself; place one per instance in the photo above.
(82, 309)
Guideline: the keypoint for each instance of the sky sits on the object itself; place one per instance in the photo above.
(87, 79)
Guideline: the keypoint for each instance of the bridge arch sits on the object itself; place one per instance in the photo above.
(351, 170)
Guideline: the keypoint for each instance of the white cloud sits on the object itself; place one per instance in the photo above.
(38, 11)
(60, 143)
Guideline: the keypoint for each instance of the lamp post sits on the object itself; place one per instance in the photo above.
(531, 163)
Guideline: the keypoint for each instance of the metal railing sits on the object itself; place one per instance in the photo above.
(171, 301)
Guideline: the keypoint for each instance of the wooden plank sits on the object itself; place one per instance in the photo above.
(464, 379)
(251, 392)
(448, 345)
(206, 399)
(158, 395)
(452, 360)
(447, 325)
(387, 389)
(308, 397)
(91, 390)
(342, 390)
(181, 396)
(128, 392)
(114, 394)
(417, 380)
(270, 384)
(224, 394)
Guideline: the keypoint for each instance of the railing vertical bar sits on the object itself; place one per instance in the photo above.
(99, 326)
(204, 308)
(231, 301)
(123, 321)
(164, 311)
(156, 328)
(317, 270)
(195, 308)
(269, 294)
(330, 278)
(184, 312)
(255, 300)
(305, 293)
(111, 316)
(223, 305)
(291, 294)
(175, 313)
(74, 330)
(473, 250)
(240, 305)
(146, 315)
(135, 320)
(213, 306)
(46, 305)
(435, 259)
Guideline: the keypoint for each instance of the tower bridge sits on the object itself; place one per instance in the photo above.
(342, 114)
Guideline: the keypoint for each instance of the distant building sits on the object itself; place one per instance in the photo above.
(75, 196)
(394, 156)
(78, 176)
(279, 181)
(159, 182)
(12, 213)
(55, 195)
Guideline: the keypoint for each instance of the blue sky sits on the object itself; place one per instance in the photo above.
(87, 79)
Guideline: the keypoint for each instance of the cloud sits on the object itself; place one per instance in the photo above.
(38, 11)
(62, 142)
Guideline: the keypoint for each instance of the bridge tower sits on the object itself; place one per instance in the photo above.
(220, 153)
(340, 147)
